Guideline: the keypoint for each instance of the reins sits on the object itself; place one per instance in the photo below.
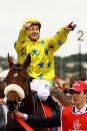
(23, 124)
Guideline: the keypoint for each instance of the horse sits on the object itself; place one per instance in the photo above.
(30, 104)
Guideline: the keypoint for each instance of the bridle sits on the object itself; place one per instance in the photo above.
(27, 86)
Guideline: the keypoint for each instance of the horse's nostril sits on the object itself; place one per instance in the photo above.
(11, 102)
(12, 105)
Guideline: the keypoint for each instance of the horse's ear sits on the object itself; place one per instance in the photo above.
(10, 62)
(27, 61)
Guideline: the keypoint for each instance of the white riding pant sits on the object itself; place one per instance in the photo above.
(42, 87)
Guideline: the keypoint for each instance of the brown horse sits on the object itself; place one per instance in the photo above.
(30, 104)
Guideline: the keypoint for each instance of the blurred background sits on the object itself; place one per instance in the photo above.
(71, 58)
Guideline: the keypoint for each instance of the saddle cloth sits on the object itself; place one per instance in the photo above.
(48, 113)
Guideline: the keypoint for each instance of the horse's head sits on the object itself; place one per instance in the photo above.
(17, 82)
(14, 94)
(18, 73)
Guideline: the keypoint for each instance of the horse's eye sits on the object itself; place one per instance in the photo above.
(24, 79)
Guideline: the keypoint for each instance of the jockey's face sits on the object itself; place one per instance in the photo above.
(34, 32)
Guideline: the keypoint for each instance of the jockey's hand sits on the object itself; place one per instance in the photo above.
(70, 27)
(19, 114)
(27, 26)
(1, 100)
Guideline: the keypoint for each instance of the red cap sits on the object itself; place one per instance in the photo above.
(79, 86)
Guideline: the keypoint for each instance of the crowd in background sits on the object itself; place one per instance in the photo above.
(64, 84)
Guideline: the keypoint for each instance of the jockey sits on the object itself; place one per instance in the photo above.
(41, 51)
(71, 118)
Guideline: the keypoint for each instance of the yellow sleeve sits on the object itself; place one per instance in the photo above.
(21, 42)
(23, 34)
(57, 40)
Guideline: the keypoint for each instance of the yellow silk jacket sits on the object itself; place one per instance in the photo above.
(41, 51)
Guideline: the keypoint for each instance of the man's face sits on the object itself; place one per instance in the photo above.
(78, 97)
(34, 32)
